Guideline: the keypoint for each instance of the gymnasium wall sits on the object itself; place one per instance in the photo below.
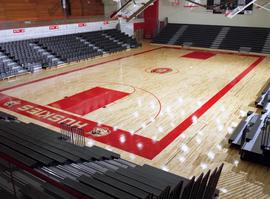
(54, 30)
(179, 14)
(47, 9)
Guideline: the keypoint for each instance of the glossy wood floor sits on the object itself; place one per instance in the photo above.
(160, 102)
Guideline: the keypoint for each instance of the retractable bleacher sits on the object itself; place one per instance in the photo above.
(252, 135)
(26, 56)
(264, 98)
(240, 39)
(54, 168)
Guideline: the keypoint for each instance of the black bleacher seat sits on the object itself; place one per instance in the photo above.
(266, 137)
(91, 171)
(253, 38)
(33, 193)
(121, 186)
(42, 136)
(249, 39)
(167, 33)
(188, 189)
(26, 151)
(57, 193)
(18, 156)
(105, 188)
(264, 98)
(196, 186)
(144, 187)
(176, 192)
(199, 35)
(252, 135)
(30, 55)
(6, 195)
(88, 191)
(121, 37)
(7, 117)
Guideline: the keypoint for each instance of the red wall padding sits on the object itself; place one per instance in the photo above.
(151, 20)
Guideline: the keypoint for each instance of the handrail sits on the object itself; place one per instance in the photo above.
(140, 10)
(116, 12)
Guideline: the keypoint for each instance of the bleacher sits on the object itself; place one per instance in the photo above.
(167, 33)
(121, 38)
(21, 57)
(252, 135)
(101, 42)
(8, 67)
(244, 39)
(252, 39)
(266, 137)
(36, 162)
(193, 35)
(67, 48)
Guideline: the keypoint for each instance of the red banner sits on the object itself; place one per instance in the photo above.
(117, 138)
(54, 27)
(21, 30)
(82, 25)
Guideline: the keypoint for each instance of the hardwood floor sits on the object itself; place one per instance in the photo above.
(186, 107)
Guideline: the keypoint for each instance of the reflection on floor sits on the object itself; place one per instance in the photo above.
(157, 103)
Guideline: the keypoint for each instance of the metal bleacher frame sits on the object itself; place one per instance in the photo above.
(72, 171)
(252, 135)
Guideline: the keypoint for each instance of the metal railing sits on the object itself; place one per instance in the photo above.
(72, 134)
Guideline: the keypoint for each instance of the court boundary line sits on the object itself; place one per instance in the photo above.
(77, 69)
(153, 148)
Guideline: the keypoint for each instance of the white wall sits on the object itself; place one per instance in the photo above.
(178, 14)
(54, 30)
(128, 27)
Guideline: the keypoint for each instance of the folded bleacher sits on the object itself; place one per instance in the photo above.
(67, 48)
(25, 56)
(121, 38)
(198, 36)
(167, 33)
(264, 99)
(252, 135)
(243, 39)
(49, 167)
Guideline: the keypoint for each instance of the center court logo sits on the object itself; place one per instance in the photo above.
(100, 131)
(161, 70)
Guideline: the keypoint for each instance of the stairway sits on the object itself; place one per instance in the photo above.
(116, 40)
(8, 67)
(84, 41)
(51, 59)
(220, 37)
(178, 34)
(266, 47)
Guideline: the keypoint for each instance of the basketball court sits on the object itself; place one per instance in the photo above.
(171, 107)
